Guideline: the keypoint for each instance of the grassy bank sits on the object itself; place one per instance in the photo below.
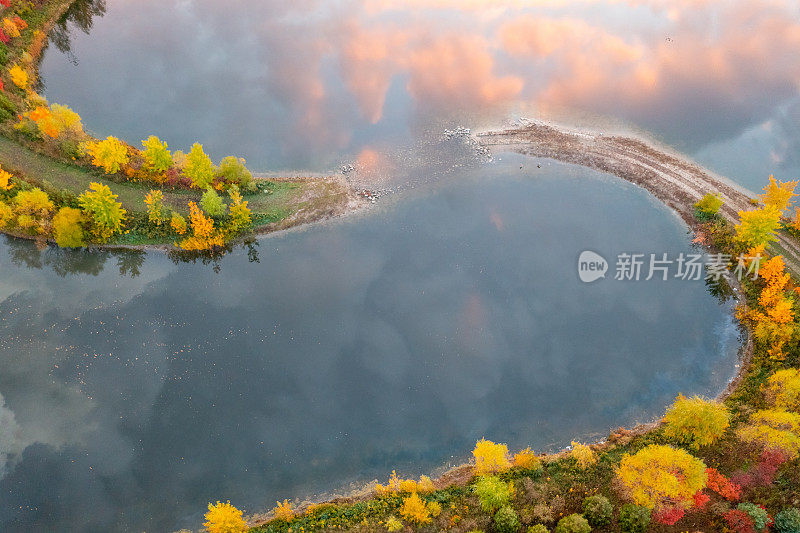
(278, 200)
(60, 184)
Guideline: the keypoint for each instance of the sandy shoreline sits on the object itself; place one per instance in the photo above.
(670, 177)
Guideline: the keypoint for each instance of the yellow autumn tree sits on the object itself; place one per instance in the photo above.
(758, 227)
(154, 200)
(110, 154)
(33, 209)
(783, 389)
(779, 195)
(584, 456)
(526, 459)
(240, 214)
(18, 76)
(198, 167)
(283, 511)
(696, 421)
(490, 457)
(397, 485)
(178, 223)
(658, 476)
(773, 429)
(415, 510)
(709, 205)
(6, 214)
(224, 518)
(67, 230)
(156, 154)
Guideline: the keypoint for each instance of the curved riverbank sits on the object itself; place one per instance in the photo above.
(670, 177)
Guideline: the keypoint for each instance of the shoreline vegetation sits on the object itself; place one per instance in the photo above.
(730, 464)
(60, 185)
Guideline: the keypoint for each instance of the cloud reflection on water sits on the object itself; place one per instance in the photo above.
(303, 83)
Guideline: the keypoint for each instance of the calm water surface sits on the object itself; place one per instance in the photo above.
(133, 390)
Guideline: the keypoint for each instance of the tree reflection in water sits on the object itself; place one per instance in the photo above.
(81, 15)
(65, 262)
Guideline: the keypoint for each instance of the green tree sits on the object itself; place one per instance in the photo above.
(634, 518)
(212, 204)
(598, 510)
(573, 523)
(103, 210)
(156, 154)
(233, 170)
(709, 205)
(506, 520)
(493, 493)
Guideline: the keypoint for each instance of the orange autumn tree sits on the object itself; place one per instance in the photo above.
(773, 319)
(55, 120)
(5, 181)
(204, 236)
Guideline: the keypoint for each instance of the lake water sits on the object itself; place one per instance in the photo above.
(134, 389)
(394, 339)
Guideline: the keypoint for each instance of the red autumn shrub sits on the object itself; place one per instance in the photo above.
(722, 485)
(767, 468)
(743, 479)
(668, 515)
(701, 499)
(739, 521)
(764, 472)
